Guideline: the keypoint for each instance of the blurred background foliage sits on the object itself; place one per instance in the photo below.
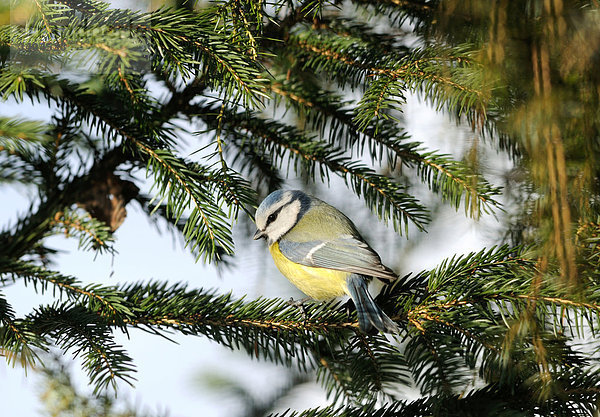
(196, 110)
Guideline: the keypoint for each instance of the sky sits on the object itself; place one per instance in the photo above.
(169, 374)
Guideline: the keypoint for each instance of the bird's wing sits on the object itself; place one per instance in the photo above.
(346, 253)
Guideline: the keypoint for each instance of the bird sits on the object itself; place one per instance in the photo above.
(319, 249)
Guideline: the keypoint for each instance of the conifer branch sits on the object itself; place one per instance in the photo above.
(18, 343)
(350, 61)
(378, 191)
(92, 233)
(19, 136)
(107, 301)
(75, 328)
(36, 225)
(208, 227)
(442, 174)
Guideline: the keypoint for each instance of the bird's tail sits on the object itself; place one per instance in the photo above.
(370, 316)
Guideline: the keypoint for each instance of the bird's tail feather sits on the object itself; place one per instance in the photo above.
(370, 316)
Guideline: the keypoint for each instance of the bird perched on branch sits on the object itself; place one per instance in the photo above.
(320, 251)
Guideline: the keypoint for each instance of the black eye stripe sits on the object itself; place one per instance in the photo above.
(304, 205)
(274, 215)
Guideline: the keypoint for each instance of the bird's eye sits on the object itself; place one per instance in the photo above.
(272, 217)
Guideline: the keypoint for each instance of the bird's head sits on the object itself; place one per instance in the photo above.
(279, 213)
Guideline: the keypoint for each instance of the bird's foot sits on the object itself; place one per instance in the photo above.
(300, 304)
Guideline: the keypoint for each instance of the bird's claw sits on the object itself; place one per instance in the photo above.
(300, 304)
(297, 303)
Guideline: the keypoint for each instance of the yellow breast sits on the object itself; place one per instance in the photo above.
(317, 283)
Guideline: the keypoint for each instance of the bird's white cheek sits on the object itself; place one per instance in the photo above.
(278, 229)
(285, 221)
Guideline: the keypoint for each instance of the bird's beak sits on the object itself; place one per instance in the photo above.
(259, 233)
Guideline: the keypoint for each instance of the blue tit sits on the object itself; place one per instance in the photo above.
(320, 251)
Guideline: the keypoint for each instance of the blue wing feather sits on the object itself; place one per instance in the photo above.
(346, 253)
